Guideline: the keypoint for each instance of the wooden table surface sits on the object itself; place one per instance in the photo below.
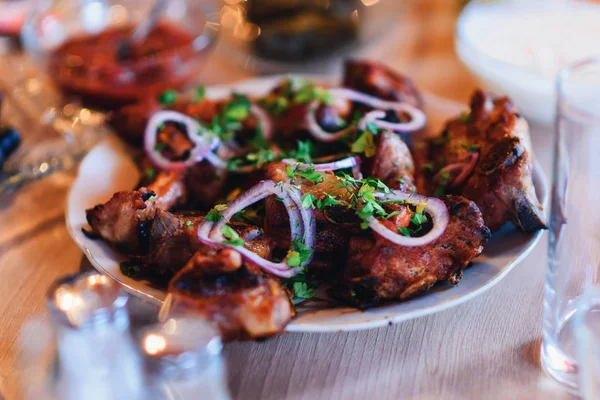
(484, 349)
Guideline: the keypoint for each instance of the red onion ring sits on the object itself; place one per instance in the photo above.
(315, 129)
(434, 207)
(202, 144)
(344, 163)
(215, 160)
(211, 233)
(264, 119)
(417, 117)
(348, 162)
(371, 116)
(465, 168)
(308, 221)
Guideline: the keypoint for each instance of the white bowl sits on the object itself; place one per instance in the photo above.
(532, 89)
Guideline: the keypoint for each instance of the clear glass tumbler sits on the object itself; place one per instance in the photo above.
(574, 237)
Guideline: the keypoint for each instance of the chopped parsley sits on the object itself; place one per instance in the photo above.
(214, 215)
(237, 109)
(418, 219)
(199, 93)
(275, 105)
(259, 141)
(405, 231)
(229, 120)
(365, 144)
(150, 173)
(160, 147)
(308, 200)
(372, 127)
(168, 97)
(303, 286)
(231, 236)
(261, 157)
(330, 201)
(293, 259)
(309, 92)
(189, 223)
(304, 152)
(234, 163)
(303, 291)
(301, 249)
(440, 190)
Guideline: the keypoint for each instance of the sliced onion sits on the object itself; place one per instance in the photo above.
(215, 160)
(348, 162)
(356, 174)
(203, 144)
(434, 207)
(371, 116)
(417, 117)
(319, 133)
(265, 121)
(465, 169)
(308, 221)
(211, 233)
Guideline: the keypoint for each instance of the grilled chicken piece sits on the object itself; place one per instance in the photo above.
(377, 270)
(501, 183)
(393, 163)
(380, 81)
(243, 303)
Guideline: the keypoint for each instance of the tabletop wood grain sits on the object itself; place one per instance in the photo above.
(484, 349)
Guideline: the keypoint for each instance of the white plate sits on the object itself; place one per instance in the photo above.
(109, 168)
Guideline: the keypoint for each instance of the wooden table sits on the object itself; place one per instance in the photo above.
(484, 349)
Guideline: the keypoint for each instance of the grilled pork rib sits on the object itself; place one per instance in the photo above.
(242, 302)
(377, 270)
(501, 184)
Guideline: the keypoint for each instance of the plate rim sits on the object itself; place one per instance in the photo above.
(540, 182)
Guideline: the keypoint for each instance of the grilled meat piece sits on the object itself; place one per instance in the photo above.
(124, 220)
(380, 81)
(501, 183)
(377, 270)
(205, 182)
(242, 302)
(160, 241)
(172, 240)
(130, 121)
(169, 189)
(393, 163)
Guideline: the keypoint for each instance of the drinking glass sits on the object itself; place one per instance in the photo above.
(574, 237)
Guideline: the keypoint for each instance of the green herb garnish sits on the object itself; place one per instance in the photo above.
(150, 173)
(199, 93)
(231, 236)
(168, 97)
(214, 215)
(364, 144)
(308, 200)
